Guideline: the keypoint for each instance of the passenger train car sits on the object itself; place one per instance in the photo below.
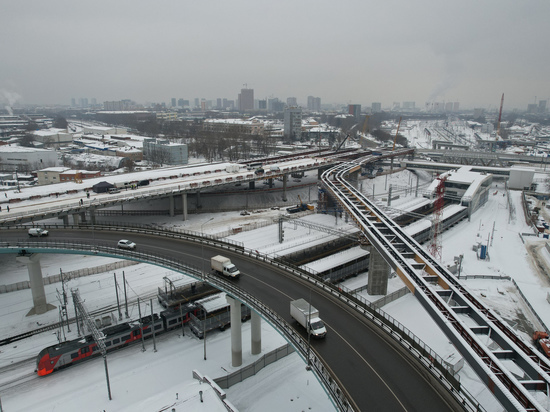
(68, 353)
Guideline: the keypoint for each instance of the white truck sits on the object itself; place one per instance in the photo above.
(223, 266)
(307, 316)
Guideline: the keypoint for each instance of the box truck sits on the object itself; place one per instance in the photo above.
(223, 266)
(307, 316)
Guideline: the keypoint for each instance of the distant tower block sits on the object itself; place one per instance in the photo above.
(379, 272)
(37, 284)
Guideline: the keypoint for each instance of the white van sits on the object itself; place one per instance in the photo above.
(37, 232)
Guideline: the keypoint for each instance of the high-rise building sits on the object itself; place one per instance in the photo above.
(456, 107)
(73, 102)
(449, 107)
(314, 103)
(542, 106)
(355, 110)
(376, 107)
(197, 102)
(262, 104)
(173, 102)
(219, 103)
(292, 102)
(293, 124)
(246, 100)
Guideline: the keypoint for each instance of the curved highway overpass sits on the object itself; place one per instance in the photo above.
(365, 364)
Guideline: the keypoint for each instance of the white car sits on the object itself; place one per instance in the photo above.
(37, 232)
(126, 244)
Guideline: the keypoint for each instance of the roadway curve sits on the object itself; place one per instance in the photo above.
(376, 376)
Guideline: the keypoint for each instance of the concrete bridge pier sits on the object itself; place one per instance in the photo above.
(379, 271)
(92, 215)
(184, 205)
(270, 182)
(199, 206)
(252, 185)
(83, 216)
(76, 219)
(171, 205)
(65, 219)
(236, 332)
(256, 333)
(285, 179)
(37, 284)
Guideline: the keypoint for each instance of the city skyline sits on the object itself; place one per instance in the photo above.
(350, 53)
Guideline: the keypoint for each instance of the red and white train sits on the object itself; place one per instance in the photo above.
(68, 353)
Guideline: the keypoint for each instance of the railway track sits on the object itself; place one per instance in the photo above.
(16, 374)
(54, 326)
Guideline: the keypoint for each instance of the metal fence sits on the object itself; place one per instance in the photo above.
(233, 378)
(48, 280)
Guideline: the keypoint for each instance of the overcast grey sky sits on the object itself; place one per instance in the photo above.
(349, 51)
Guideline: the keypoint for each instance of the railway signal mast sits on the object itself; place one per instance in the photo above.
(435, 245)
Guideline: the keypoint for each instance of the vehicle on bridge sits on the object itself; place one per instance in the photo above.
(307, 316)
(223, 266)
(37, 232)
(126, 244)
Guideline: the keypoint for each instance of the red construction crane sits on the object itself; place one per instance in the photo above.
(435, 235)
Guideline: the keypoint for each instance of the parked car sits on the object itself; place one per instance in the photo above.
(126, 244)
(143, 182)
(37, 232)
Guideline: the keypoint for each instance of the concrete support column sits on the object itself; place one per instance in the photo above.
(379, 272)
(199, 206)
(76, 219)
(256, 333)
(65, 220)
(92, 215)
(37, 284)
(236, 332)
(252, 185)
(270, 182)
(285, 179)
(171, 206)
(83, 217)
(184, 205)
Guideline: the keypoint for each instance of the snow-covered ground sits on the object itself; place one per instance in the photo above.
(163, 380)
(284, 385)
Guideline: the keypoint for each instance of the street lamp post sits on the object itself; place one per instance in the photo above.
(202, 248)
(204, 279)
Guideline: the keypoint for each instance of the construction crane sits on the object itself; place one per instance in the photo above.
(500, 117)
(435, 239)
(396, 133)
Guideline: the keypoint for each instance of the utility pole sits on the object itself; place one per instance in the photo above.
(153, 326)
(125, 295)
(141, 327)
(117, 300)
(98, 336)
